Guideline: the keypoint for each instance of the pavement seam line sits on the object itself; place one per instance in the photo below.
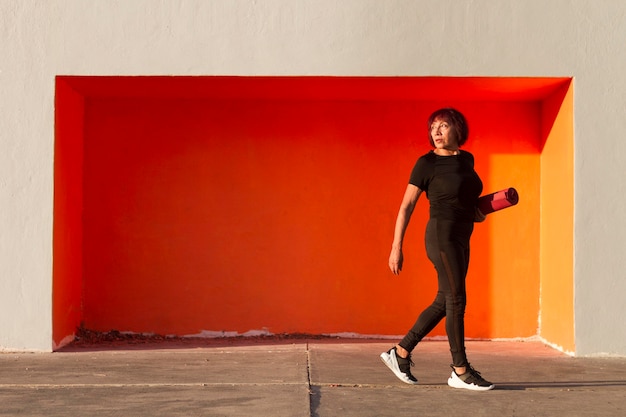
(308, 380)
(193, 384)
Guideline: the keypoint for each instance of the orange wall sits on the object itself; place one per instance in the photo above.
(240, 214)
(505, 247)
(557, 221)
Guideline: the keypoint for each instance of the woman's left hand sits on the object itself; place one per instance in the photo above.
(479, 216)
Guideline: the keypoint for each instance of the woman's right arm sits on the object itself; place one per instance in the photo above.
(411, 195)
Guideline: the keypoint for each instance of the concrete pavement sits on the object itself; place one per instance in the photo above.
(302, 377)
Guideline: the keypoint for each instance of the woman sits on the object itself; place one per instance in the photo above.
(446, 174)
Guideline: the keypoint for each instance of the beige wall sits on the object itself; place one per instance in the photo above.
(582, 39)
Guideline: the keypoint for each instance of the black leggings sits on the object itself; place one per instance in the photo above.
(447, 247)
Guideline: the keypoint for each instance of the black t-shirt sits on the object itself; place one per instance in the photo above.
(450, 183)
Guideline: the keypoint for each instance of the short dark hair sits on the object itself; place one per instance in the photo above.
(457, 122)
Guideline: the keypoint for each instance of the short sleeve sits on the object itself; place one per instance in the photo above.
(422, 173)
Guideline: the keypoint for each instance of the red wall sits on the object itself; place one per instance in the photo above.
(242, 213)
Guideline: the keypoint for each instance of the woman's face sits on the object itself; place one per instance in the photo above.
(443, 135)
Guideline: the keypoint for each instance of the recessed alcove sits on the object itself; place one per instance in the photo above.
(205, 204)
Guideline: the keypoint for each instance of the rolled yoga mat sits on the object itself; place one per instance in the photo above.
(498, 200)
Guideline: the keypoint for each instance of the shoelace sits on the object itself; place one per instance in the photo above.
(475, 373)
(410, 360)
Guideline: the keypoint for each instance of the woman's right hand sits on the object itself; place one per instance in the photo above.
(411, 195)
(395, 260)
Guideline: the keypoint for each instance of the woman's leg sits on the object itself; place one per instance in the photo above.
(426, 321)
(447, 245)
(434, 313)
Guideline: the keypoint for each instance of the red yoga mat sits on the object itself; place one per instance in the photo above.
(498, 200)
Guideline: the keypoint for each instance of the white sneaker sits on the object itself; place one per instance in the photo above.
(470, 380)
(401, 367)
